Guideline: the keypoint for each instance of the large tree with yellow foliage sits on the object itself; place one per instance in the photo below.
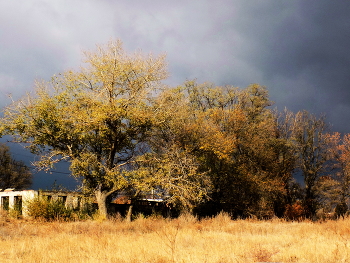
(96, 117)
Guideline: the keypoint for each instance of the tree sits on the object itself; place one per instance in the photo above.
(13, 174)
(340, 153)
(231, 135)
(97, 117)
(285, 159)
(312, 140)
(170, 162)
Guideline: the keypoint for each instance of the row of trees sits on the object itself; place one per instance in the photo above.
(200, 146)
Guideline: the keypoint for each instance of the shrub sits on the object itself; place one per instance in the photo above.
(88, 211)
(295, 211)
(341, 209)
(48, 210)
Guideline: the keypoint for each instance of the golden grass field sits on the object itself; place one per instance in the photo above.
(157, 240)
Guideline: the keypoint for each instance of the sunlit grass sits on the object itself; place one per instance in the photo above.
(179, 240)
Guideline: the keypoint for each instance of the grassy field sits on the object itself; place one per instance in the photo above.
(185, 239)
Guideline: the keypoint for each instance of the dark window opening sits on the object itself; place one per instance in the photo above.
(62, 199)
(79, 202)
(5, 201)
(18, 204)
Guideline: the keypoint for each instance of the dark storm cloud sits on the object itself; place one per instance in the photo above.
(298, 49)
(301, 49)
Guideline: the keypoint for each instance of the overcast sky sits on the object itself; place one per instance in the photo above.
(300, 50)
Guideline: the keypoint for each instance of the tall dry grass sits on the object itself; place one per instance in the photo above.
(184, 239)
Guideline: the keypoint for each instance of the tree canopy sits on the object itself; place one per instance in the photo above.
(98, 118)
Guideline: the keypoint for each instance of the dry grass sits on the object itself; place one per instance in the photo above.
(180, 240)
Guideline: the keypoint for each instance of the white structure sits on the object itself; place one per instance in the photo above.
(10, 199)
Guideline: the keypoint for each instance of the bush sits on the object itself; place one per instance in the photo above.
(295, 212)
(340, 210)
(48, 210)
(88, 211)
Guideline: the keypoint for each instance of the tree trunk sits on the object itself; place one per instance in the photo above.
(310, 202)
(128, 216)
(101, 198)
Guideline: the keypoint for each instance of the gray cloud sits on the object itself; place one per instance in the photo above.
(302, 53)
(298, 49)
